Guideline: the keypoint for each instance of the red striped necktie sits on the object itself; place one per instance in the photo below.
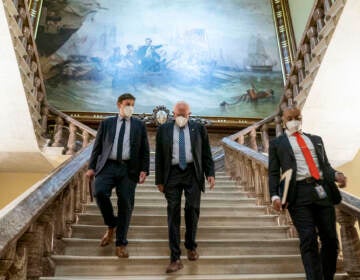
(314, 171)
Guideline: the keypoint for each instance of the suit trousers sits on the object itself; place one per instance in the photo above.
(313, 217)
(115, 175)
(182, 181)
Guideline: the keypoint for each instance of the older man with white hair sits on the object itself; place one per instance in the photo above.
(183, 160)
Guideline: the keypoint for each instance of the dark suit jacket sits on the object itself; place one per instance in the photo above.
(139, 147)
(281, 157)
(201, 152)
(142, 51)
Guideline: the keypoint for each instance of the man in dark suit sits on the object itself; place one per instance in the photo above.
(311, 196)
(150, 59)
(183, 159)
(120, 159)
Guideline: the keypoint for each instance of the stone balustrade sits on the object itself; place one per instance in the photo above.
(318, 32)
(20, 26)
(32, 230)
(67, 132)
(256, 136)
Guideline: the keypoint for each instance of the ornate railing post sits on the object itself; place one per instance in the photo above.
(86, 138)
(44, 120)
(47, 220)
(295, 85)
(253, 144)
(300, 70)
(6, 261)
(312, 35)
(58, 135)
(71, 145)
(265, 138)
(305, 50)
(319, 18)
(259, 194)
(350, 243)
(241, 139)
(33, 241)
(18, 270)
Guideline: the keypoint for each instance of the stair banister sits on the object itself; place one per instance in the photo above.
(32, 227)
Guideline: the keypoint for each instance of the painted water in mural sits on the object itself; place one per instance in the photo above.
(220, 56)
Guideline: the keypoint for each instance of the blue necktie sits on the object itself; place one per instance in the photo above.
(182, 153)
(121, 140)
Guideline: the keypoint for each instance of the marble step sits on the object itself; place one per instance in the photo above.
(204, 232)
(221, 177)
(215, 194)
(283, 276)
(209, 201)
(160, 247)
(218, 188)
(218, 182)
(218, 175)
(161, 220)
(152, 265)
(205, 210)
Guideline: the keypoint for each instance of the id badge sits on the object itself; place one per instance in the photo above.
(320, 192)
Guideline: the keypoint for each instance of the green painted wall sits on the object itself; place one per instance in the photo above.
(300, 10)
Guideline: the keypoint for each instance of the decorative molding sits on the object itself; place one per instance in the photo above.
(285, 35)
(89, 118)
(35, 7)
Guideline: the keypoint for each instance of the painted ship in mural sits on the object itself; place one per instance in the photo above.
(258, 59)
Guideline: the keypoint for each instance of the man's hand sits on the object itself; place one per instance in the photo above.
(142, 177)
(341, 179)
(90, 173)
(211, 181)
(277, 205)
(160, 188)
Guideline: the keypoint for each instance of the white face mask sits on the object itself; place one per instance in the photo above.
(293, 126)
(128, 111)
(181, 121)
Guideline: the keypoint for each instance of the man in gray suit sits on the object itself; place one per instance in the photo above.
(120, 159)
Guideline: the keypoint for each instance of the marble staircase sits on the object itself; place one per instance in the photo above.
(237, 240)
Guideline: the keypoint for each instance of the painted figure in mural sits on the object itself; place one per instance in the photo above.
(251, 95)
(311, 195)
(131, 56)
(120, 159)
(183, 159)
(149, 57)
(53, 23)
(116, 56)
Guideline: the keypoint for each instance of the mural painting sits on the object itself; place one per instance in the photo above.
(220, 56)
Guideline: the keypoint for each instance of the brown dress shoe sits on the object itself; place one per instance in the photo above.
(122, 252)
(192, 255)
(174, 266)
(108, 237)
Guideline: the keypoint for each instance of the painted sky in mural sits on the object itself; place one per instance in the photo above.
(220, 56)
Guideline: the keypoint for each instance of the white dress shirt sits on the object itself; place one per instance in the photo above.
(302, 168)
(126, 143)
(302, 171)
